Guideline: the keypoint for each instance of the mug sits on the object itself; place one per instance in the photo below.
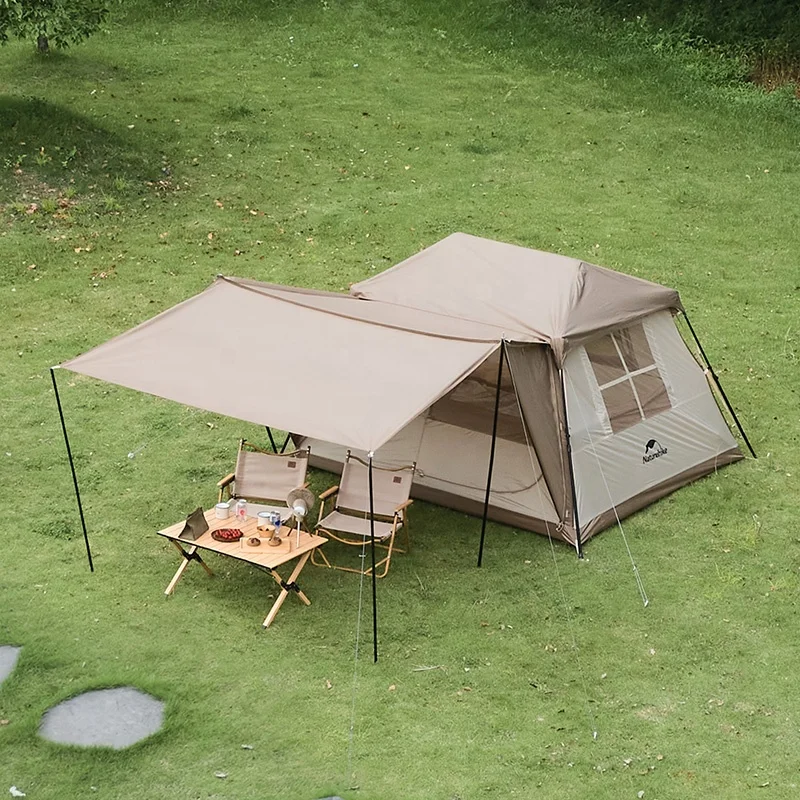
(222, 510)
(264, 521)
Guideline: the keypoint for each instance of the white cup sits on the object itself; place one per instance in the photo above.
(264, 521)
(222, 510)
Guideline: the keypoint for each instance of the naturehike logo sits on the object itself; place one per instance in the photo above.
(653, 450)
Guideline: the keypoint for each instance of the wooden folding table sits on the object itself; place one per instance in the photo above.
(265, 556)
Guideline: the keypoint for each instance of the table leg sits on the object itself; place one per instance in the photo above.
(188, 555)
(286, 586)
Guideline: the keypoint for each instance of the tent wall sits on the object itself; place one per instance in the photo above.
(622, 461)
(521, 505)
(645, 498)
(537, 386)
(330, 458)
(451, 443)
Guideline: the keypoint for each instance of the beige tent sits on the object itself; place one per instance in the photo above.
(602, 410)
(564, 386)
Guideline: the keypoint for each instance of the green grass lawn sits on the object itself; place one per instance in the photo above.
(316, 144)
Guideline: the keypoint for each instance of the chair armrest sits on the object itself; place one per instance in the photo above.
(323, 497)
(328, 492)
(403, 506)
(226, 480)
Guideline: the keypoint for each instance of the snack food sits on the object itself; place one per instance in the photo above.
(226, 534)
(254, 541)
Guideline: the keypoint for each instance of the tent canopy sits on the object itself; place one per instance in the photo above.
(354, 369)
(529, 294)
(334, 367)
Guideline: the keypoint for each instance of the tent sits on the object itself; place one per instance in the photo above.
(602, 410)
(533, 388)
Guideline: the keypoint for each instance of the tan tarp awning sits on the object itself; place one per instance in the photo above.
(330, 366)
(529, 294)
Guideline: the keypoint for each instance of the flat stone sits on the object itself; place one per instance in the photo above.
(114, 718)
(8, 659)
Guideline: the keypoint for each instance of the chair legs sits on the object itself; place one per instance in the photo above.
(319, 559)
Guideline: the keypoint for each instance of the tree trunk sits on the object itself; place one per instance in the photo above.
(43, 45)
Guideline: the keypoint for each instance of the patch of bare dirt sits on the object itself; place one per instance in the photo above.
(36, 197)
(655, 713)
(773, 73)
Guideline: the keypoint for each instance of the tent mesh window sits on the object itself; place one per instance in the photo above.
(471, 404)
(628, 377)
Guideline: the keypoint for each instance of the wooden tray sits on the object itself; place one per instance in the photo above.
(265, 547)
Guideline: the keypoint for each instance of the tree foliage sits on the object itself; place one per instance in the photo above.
(772, 25)
(62, 22)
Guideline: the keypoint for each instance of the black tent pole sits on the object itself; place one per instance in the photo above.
(72, 467)
(374, 579)
(491, 453)
(271, 439)
(578, 543)
(719, 386)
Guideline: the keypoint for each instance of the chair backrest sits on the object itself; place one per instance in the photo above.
(269, 476)
(390, 487)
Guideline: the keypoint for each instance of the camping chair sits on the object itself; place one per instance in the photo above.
(349, 521)
(265, 478)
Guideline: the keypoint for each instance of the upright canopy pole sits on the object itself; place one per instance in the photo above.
(491, 453)
(374, 579)
(72, 467)
(576, 522)
(719, 386)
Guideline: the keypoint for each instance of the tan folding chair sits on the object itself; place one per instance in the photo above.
(264, 478)
(349, 521)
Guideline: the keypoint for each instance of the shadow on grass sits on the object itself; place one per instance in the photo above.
(75, 64)
(63, 146)
(271, 11)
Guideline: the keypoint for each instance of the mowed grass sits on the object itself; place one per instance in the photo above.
(315, 144)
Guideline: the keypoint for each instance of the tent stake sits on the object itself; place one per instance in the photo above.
(491, 454)
(374, 579)
(72, 467)
(719, 386)
(578, 543)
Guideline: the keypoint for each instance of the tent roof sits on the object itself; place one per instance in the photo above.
(322, 363)
(529, 294)
(298, 360)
